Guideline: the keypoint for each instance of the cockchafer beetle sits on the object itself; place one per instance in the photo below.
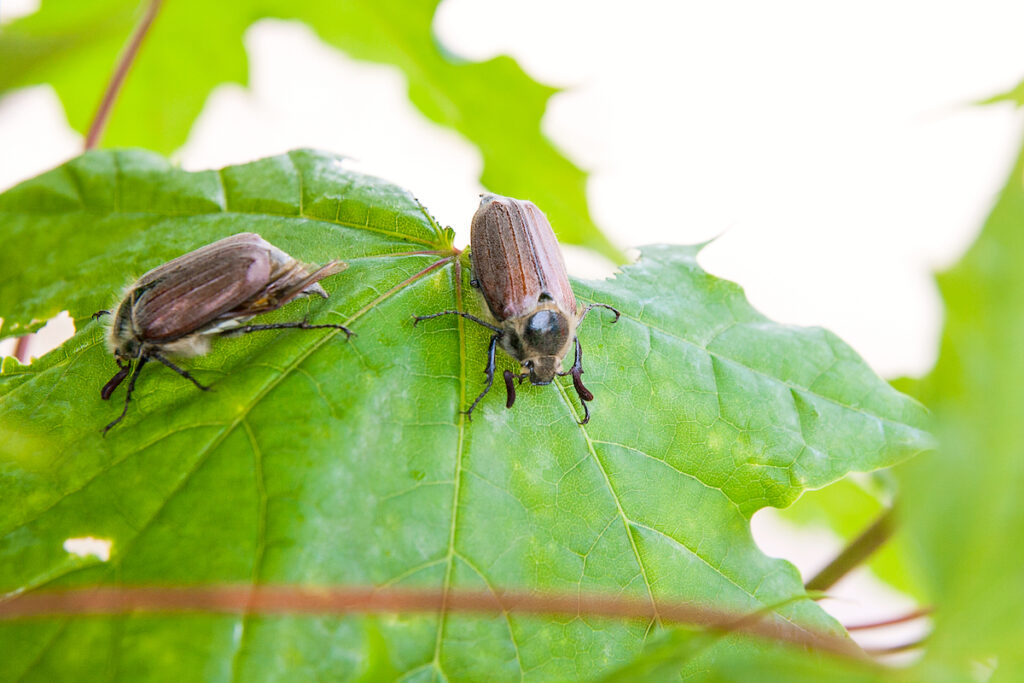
(518, 268)
(174, 309)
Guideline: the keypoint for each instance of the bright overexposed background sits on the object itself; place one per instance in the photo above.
(831, 148)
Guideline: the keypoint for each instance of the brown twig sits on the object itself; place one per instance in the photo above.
(124, 64)
(893, 649)
(855, 552)
(336, 600)
(21, 348)
(910, 616)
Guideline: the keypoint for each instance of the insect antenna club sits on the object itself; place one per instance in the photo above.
(176, 308)
(518, 268)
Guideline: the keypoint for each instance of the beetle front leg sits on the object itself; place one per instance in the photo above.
(489, 371)
(577, 380)
(115, 381)
(510, 389)
(128, 397)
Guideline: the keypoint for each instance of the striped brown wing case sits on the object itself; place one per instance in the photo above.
(516, 258)
(184, 295)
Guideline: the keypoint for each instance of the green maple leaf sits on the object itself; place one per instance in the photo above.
(325, 462)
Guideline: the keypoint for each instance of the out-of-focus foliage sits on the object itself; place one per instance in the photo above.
(195, 45)
(963, 505)
(850, 506)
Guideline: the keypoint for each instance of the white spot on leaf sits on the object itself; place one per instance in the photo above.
(88, 546)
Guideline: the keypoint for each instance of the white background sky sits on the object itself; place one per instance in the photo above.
(832, 146)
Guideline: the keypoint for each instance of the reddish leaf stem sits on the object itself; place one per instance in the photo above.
(124, 64)
(910, 616)
(345, 600)
(21, 348)
(893, 649)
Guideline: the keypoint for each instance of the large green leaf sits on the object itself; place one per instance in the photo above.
(748, 660)
(194, 45)
(318, 461)
(963, 503)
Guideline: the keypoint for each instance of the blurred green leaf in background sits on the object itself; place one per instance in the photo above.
(194, 46)
(847, 508)
(958, 546)
(963, 505)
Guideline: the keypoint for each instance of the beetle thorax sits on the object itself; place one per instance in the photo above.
(540, 340)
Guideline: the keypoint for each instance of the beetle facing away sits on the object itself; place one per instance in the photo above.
(177, 307)
(518, 268)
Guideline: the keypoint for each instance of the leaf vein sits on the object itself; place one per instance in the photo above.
(504, 612)
(457, 478)
(733, 361)
(615, 498)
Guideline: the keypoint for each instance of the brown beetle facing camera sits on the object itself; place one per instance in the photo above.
(518, 267)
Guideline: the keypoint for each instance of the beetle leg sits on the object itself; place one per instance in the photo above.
(489, 371)
(181, 371)
(577, 370)
(589, 306)
(128, 397)
(303, 325)
(116, 380)
(99, 314)
(577, 380)
(510, 389)
(586, 413)
(467, 316)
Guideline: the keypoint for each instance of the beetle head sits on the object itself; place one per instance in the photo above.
(544, 341)
(122, 343)
(542, 369)
(128, 348)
